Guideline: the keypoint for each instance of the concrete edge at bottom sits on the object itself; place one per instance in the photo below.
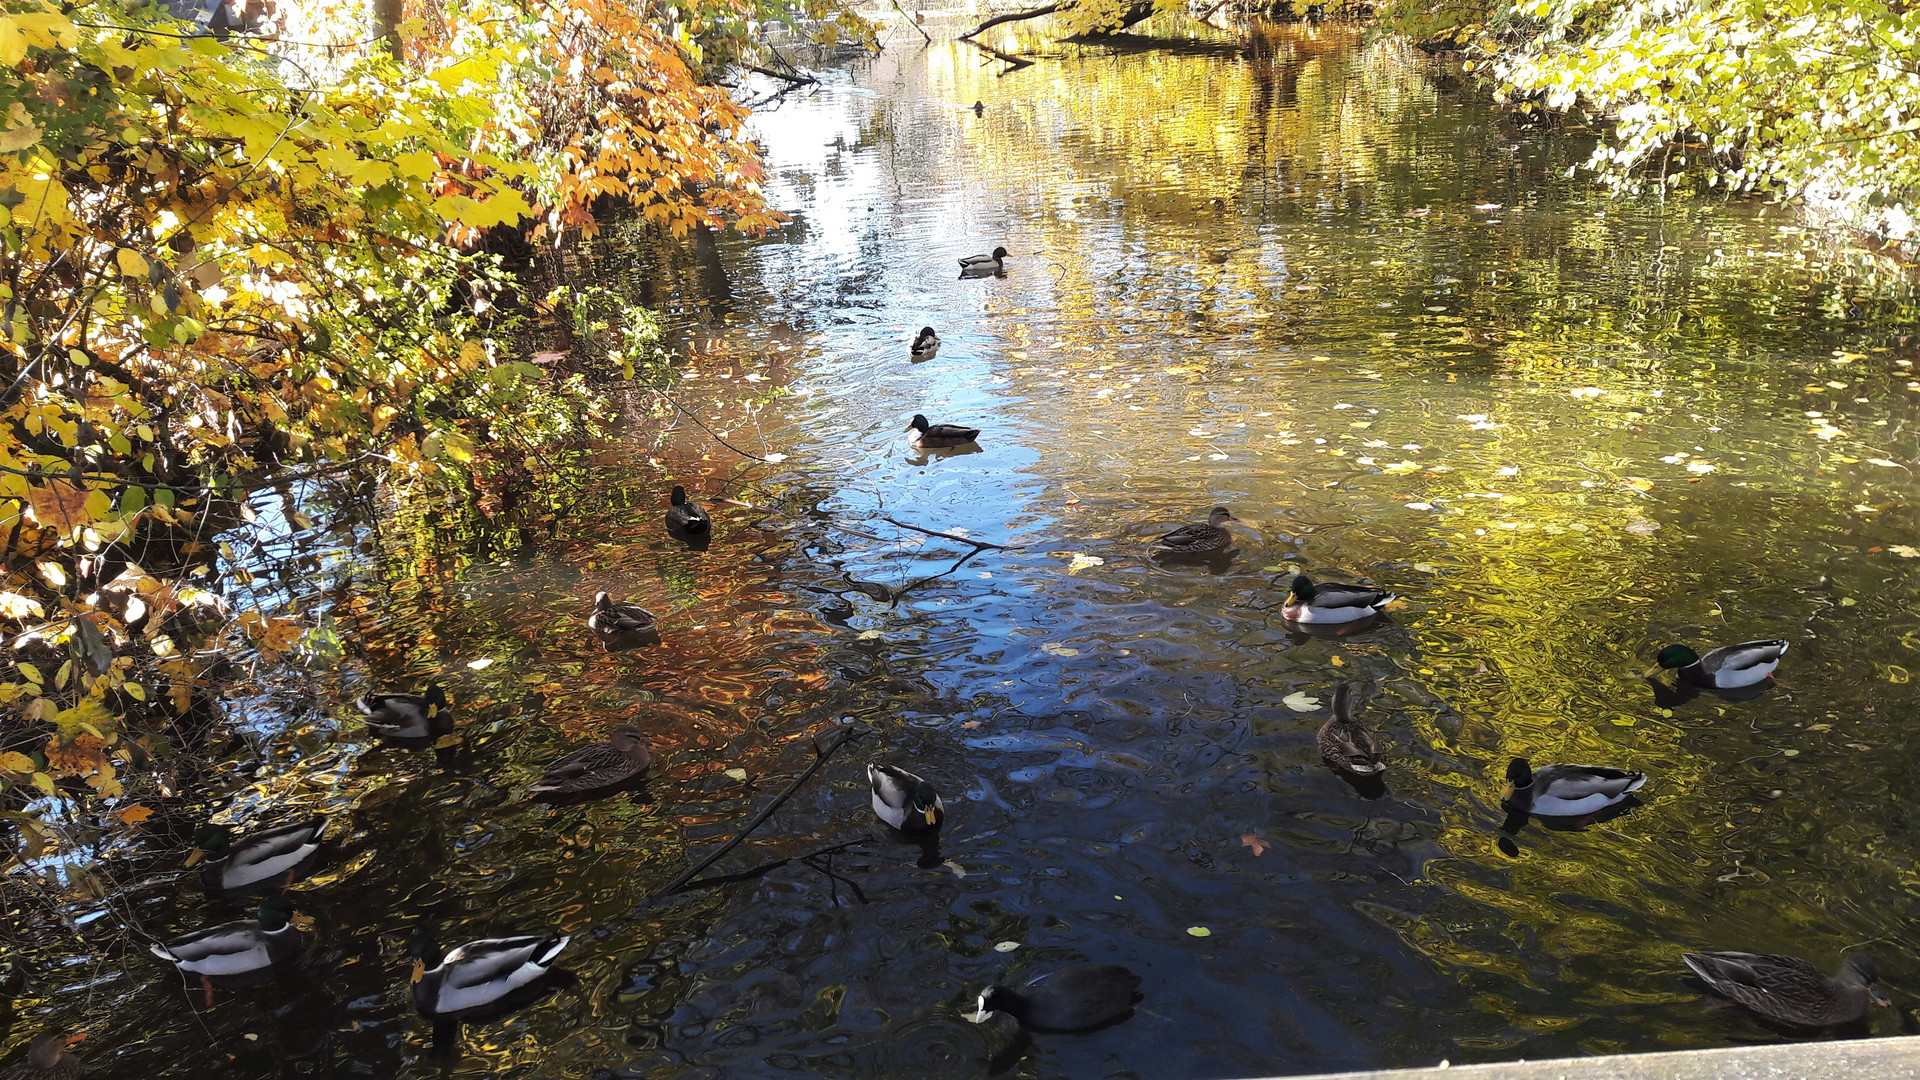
(1869, 1059)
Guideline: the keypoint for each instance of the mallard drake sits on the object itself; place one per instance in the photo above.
(1195, 539)
(938, 435)
(236, 948)
(479, 973)
(1567, 790)
(615, 619)
(905, 801)
(1079, 997)
(684, 516)
(594, 767)
(1346, 743)
(1725, 668)
(256, 858)
(1788, 990)
(408, 716)
(1330, 602)
(924, 345)
(47, 1059)
(984, 264)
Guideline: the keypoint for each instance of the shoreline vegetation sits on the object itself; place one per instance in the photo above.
(237, 265)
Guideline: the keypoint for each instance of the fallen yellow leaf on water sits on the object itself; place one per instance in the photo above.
(1199, 931)
(1258, 845)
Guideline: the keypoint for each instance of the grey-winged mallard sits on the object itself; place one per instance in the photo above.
(1347, 744)
(925, 344)
(984, 264)
(1568, 790)
(1195, 539)
(480, 973)
(408, 717)
(935, 436)
(595, 767)
(1788, 990)
(242, 947)
(265, 856)
(1309, 601)
(47, 1059)
(1078, 997)
(904, 800)
(684, 517)
(616, 620)
(1725, 668)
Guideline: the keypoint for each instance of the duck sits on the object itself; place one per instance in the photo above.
(613, 619)
(241, 947)
(938, 435)
(1347, 744)
(1330, 602)
(984, 264)
(1788, 990)
(1568, 790)
(408, 716)
(1196, 539)
(258, 857)
(1726, 668)
(686, 517)
(479, 973)
(904, 800)
(925, 344)
(47, 1059)
(595, 767)
(1078, 997)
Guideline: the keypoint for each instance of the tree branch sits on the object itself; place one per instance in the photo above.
(1012, 16)
(797, 80)
(847, 735)
(951, 536)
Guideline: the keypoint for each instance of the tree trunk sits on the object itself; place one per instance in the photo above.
(387, 15)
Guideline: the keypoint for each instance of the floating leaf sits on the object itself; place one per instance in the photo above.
(1082, 562)
(1905, 551)
(1054, 648)
(1258, 845)
(1005, 946)
(1199, 931)
(737, 774)
(1301, 701)
(481, 664)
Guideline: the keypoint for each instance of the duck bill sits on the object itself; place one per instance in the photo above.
(419, 972)
(1652, 672)
(195, 857)
(1879, 997)
(76, 1037)
(931, 820)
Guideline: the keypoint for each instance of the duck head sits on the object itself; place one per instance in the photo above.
(436, 698)
(1301, 591)
(602, 601)
(274, 913)
(926, 802)
(1861, 971)
(1219, 517)
(48, 1047)
(1676, 656)
(999, 253)
(625, 739)
(211, 842)
(679, 495)
(1519, 773)
(925, 333)
(996, 999)
(919, 423)
(424, 952)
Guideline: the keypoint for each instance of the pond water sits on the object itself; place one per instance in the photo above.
(1289, 272)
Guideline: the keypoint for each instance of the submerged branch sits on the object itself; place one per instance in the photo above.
(1014, 63)
(951, 536)
(797, 80)
(821, 756)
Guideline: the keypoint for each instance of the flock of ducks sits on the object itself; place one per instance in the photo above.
(484, 978)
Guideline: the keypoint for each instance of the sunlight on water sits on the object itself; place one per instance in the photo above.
(1297, 275)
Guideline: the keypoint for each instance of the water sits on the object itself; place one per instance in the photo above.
(1295, 274)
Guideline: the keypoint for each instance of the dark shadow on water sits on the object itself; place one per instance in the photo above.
(925, 455)
(1304, 632)
(1215, 563)
(1517, 819)
(1367, 787)
(446, 1026)
(1672, 695)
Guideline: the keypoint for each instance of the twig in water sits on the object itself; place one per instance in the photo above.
(767, 868)
(1014, 63)
(796, 80)
(951, 536)
(923, 30)
(821, 756)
